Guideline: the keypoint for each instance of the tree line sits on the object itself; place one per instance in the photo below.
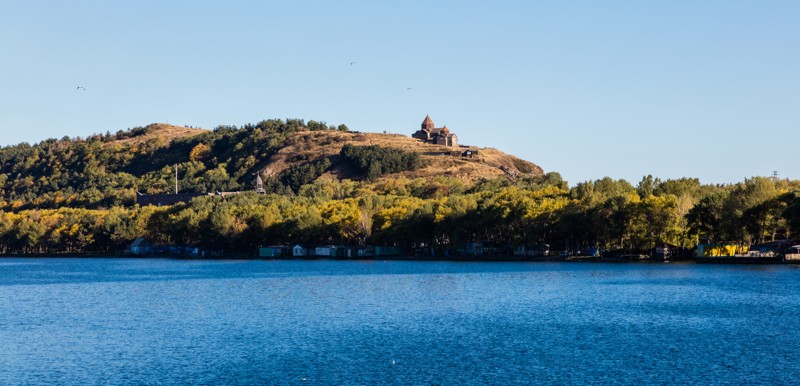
(441, 213)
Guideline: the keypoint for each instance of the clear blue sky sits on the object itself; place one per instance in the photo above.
(707, 89)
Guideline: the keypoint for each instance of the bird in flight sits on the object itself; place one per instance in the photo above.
(352, 63)
(409, 89)
(81, 88)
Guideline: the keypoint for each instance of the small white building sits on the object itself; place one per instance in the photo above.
(328, 250)
(299, 251)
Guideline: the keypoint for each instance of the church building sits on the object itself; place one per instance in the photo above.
(436, 135)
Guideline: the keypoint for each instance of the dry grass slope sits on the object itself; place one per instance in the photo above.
(490, 163)
(306, 146)
(163, 132)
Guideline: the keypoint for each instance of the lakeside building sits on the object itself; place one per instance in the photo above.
(793, 254)
(716, 250)
(275, 251)
(359, 251)
(332, 251)
(141, 246)
(328, 250)
(299, 251)
(771, 248)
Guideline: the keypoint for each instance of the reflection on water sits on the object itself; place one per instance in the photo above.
(119, 321)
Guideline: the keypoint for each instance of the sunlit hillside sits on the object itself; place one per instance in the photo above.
(106, 170)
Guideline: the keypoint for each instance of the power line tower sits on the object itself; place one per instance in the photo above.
(176, 178)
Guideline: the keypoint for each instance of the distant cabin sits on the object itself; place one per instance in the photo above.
(141, 246)
(275, 251)
(299, 251)
(663, 251)
(359, 252)
(328, 250)
(793, 253)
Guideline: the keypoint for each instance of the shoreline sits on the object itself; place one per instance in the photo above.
(722, 260)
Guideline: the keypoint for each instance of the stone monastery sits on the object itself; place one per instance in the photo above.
(437, 135)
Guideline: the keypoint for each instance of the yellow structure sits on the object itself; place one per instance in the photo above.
(716, 250)
(793, 254)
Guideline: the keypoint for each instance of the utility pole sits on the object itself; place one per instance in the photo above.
(176, 178)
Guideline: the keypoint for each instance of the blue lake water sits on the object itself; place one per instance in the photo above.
(143, 321)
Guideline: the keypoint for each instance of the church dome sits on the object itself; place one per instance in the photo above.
(427, 124)
(445, 130)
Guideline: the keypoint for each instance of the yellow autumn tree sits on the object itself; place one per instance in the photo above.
(199, 152)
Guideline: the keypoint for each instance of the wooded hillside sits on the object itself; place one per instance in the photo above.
(325, 185)
(107, 170)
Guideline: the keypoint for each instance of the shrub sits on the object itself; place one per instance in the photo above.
(375, 161)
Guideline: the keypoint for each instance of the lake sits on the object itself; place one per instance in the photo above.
(160, 321)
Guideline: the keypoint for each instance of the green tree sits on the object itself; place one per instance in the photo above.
(706, 218)
(791, 214)
(647, 186)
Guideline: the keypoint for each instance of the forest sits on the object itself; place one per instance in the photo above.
(104, 171)
(77, 196)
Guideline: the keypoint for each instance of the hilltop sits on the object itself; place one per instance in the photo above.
(440, 161)
(306, 146)
(159, 131)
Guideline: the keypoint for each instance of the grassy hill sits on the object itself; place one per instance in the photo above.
(160, 132)
(106, 170)
(304, 147)
(326, 185)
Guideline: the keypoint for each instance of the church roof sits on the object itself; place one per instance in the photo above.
(428, 122)
(445, 130)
